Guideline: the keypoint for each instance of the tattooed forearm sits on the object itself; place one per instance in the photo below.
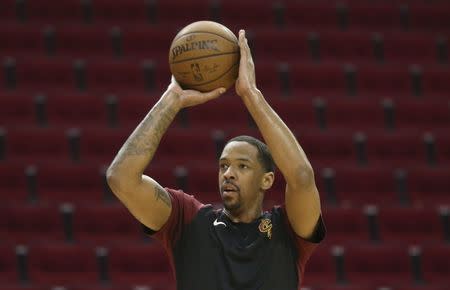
(161, 194)
(145, 139)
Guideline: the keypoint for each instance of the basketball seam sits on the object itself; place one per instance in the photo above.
(201, 31)
(205, 56)
(208, 82)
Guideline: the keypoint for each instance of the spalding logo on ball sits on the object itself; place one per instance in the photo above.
(204, 56)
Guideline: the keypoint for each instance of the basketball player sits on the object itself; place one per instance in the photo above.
(238, 246)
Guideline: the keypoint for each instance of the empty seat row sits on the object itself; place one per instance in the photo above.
(94, 223)
(349, 46)
(386, 224)
(78, 264)
(132, 42)
(99, 145)
(352, 186)
(302, 79)
(366, 15)
(379, 264)
(126, 111)
(51, 264)
(111, 224)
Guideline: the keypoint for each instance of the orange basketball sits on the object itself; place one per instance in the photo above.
(204, 56)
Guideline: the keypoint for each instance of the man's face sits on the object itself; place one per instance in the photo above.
(240, 175)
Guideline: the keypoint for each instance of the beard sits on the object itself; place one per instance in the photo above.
(232, 204)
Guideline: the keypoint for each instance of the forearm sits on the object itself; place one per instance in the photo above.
(286, 151)
(139, 149)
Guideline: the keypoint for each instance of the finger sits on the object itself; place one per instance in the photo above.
(173, 80)
(243, 44)
(213, 94)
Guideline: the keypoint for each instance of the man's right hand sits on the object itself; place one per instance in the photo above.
(190, 98)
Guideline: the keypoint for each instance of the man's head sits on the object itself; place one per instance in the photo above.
(246, 171)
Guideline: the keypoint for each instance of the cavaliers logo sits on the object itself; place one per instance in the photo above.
(265, 226)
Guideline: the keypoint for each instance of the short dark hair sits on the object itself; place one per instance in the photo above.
(264, 156)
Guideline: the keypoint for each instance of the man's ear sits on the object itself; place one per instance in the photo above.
(267, 180)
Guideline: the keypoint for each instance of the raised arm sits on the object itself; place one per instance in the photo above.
(302, 198)
(142, 195)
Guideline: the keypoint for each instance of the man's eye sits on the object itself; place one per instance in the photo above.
(243, 166)
(223, 166)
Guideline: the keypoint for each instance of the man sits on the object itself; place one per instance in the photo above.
(239, 246)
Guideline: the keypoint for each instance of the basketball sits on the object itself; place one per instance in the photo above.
(204, 56)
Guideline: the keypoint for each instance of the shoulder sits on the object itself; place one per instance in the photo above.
(279, 215)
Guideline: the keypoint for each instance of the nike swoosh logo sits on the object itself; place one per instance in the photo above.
(216, 223)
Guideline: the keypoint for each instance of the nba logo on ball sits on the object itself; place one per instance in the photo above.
(204, 56)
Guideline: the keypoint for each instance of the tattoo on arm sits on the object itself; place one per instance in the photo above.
(163, 195)
(146, 137)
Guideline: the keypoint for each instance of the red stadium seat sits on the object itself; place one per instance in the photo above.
(436, 264)
(297, 113)
(442, 145)
(429, 185)
(13, 181)
(149, 42)
(383, 80)
(54, 12)
(115, 76)
(174, 14)
(262, 15)
(328, 148)
(345, 225)
(371, 16)
(180, 147)
(93, 140)
(268, 79)
(47, 144)
(409, 47)
(310, 15)
(320, 267)
(84, 42)
(44, 75)
(75, 183)
(364, 185)
(312, 80)
(226, 112)
(19, 41)
(62, 264)
(278, 45)
(395, 149)
(356, 114)
(8, 264)
(430, 17)
(410, 225)
(71, 110)
(435, 82)
(389, 264)
(424, 114)
(346, 46)
(132, 108)
(105, 225)
(118, 12)
(23, 223)
(7, 13)
(17, 111)
(140, 264)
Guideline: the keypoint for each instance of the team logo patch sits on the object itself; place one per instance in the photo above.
(265, 227)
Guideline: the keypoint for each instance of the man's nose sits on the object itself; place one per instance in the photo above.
(229, 173)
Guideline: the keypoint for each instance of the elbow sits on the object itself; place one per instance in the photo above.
(115, 180)
(112, 178)
(304, 176)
